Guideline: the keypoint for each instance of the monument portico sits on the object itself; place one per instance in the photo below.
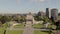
(29, 18)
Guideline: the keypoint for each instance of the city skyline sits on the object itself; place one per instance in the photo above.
(24, 6)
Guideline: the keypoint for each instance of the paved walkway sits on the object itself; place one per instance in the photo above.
(42, 29)
(28, 29)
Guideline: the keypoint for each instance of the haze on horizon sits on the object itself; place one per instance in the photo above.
(25, 6)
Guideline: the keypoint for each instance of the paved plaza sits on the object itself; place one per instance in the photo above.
(28, 30)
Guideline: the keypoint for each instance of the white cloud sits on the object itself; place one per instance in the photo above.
(39, 0)
(18, 1)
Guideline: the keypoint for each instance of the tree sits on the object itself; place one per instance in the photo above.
(58, 27)
(4, 19)
(19, 19)
(38, 18)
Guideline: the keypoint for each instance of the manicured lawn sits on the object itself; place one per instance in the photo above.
(2, 30)
(41, 26)
(53, 26)
(14, 32)
(39, 32)
(38, 25)
(19, 26)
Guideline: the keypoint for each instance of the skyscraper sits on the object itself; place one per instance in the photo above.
(48, 13)
(54, 13)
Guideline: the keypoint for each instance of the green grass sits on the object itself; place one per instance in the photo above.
(39, 32)
(14, 32)
(53, 26)
(2, 30)
(19, 26)
(38, 25)
(41, 25)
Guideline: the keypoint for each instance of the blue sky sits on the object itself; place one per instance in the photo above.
(24, 6)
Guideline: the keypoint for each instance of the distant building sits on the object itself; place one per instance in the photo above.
(34, 14)
(48, 13)
(59, 14)
(29, 18)
(59, 17)
(40, 13)
(54, 13)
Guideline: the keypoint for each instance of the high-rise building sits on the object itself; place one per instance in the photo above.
(48, 13)
(54, 13)
(59, 14)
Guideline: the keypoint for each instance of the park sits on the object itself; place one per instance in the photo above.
(27, 25)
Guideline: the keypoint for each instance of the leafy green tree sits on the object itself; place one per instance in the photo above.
(19, 20)
(4, 19)
(38, 18)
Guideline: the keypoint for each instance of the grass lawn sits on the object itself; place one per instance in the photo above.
(53, 26)
(19, 26)
(39, 32)
(14, 32)
(38, 25)
(2, 30)
(41, 25)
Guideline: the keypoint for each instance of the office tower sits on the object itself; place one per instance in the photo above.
(48, 13)
(54, 13)
(59, 14)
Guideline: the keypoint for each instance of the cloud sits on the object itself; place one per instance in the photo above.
(18, 1)
(39, 0)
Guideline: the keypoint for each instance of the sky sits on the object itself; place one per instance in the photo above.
(25, 6)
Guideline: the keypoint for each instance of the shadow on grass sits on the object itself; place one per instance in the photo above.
(39, 27)
(49, 32)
